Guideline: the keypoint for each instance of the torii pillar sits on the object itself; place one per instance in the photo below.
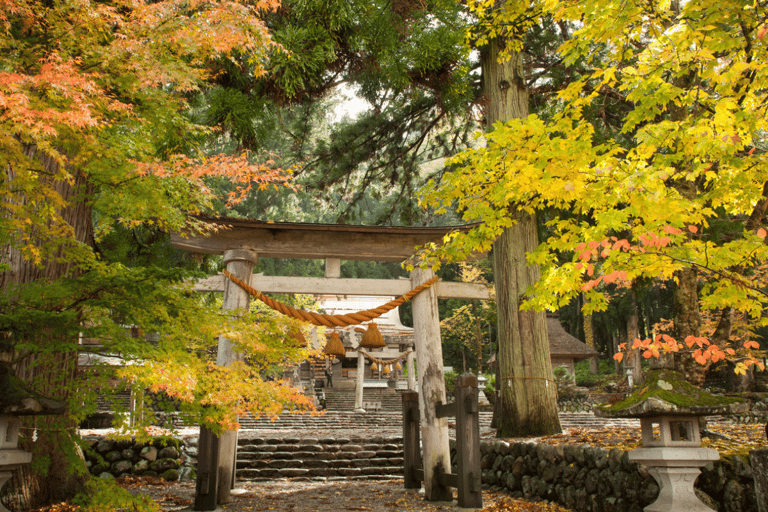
(429, 355)
(218, 454)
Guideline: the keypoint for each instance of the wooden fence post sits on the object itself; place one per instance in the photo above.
(468, 442)
(207, 481)
(759, 462)
(411, 442)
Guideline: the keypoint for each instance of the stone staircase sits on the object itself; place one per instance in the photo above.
(342, 445)
(346, 420)
(325, 458)
(344, 399)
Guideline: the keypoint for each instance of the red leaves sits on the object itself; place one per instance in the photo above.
(241, 169)
(704, 353)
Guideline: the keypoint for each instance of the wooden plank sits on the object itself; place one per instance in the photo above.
(337, 286)
(448, 480)
(445, 410)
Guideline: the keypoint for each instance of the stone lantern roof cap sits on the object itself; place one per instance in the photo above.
(667, 393)
(18, 399)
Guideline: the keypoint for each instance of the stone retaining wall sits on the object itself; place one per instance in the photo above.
(166, 457)
(590, 479)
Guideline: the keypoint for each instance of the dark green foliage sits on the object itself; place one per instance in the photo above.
(585, 377)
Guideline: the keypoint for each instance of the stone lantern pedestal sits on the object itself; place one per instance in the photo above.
(673, 459)
(669, 409)
(10, 456)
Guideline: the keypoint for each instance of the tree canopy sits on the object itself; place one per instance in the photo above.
(680, 184)
(101, 150)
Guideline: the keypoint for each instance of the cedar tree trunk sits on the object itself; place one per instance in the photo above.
(527, 391)
(51, 373)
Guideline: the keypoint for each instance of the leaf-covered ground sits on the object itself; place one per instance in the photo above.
(389, 496)
(725, 438)
(306, 496)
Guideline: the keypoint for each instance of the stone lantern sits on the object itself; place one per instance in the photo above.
(17, 400)
(669, 408)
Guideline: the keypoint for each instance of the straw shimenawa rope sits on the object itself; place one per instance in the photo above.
(330, 320)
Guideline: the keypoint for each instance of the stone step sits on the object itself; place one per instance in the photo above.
(264, 458)
(327, 474)
(336, 420)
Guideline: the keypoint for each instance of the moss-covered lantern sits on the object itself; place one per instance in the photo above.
(669, 408)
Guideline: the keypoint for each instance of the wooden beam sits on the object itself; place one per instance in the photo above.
(314, 241)
(337, 286)
(445, 410)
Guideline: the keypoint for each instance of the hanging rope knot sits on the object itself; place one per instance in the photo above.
(329, 320)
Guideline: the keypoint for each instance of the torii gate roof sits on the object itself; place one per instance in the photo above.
(313, 241)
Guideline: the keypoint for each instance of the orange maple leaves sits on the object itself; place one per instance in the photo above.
(68, 96)
(704, 352)
(243, 170)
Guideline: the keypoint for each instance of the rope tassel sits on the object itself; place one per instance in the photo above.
(334, 347)
(372, 338)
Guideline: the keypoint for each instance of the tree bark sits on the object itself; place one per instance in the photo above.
(633, 359)
(50, 439)
(688, 323)
(528, 395)
(589, 339)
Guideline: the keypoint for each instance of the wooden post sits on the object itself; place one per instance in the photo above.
(333, 267)
(468, 442)
(240, 263)
(207, 480)
(429, 354)
(411, 372)
(411, 448)
(759, 463)
(359, 382)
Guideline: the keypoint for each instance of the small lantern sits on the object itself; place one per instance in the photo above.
(334, 347)
(372, 338)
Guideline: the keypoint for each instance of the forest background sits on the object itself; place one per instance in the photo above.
(643, 158)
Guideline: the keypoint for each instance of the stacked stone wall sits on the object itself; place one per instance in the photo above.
(167, 457)
(585, 478)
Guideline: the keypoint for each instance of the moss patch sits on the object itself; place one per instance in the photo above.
(670, 386)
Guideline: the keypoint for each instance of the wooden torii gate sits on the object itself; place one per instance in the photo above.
(242, 242)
